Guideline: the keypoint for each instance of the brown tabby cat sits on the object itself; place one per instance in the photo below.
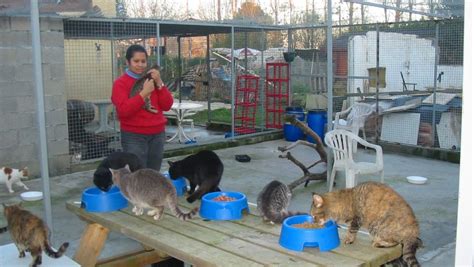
(30, 234)
(377, 207)
(147, 188)
(138, 86)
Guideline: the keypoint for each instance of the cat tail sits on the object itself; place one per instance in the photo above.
(281, 216)
(173, 205)
(53, 254)
(409, 251)
(3, 229)
(184, 216)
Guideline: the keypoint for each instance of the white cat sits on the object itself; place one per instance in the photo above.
(10, 176)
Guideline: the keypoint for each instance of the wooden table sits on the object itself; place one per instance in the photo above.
(247, 242)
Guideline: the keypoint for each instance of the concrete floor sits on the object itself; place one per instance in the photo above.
(435, 203)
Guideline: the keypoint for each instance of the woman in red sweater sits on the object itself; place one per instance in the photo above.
(142, 132)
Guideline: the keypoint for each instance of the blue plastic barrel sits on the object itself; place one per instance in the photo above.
(317, 118)
(290, 132)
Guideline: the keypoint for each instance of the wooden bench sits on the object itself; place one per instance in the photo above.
(246, 242)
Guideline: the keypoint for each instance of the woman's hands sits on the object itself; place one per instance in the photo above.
(155, 74)
(148, 87)
(149, 84)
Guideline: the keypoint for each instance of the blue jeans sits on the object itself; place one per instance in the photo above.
(148, 148)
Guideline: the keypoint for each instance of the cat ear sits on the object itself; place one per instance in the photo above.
(170, 162)
(111, 171)
(127, 167)
(317, 200)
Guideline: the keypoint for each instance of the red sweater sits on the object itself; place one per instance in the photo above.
(133, 118)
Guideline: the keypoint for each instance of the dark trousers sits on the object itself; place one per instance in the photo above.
(148, 148)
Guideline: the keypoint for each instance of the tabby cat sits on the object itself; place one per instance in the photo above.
(273, 202)
(30, 234)
(116, 160)
(147, 188)
(377, 207)
(138, 86)
(203, 169)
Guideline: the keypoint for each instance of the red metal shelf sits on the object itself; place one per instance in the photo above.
(276, 93)
(246, 98)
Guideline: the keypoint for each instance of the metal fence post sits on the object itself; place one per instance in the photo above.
(435, 84)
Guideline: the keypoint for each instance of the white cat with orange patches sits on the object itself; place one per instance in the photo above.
(11, 176)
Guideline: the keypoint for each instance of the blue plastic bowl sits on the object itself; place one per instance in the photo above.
(96, 200)
(223, 210)
(179, 184)
(294, 238)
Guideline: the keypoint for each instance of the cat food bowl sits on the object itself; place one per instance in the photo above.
(31, 196)
(296, 238)
(179, 184)
(223, 206)
(417, 179)
(96, 200)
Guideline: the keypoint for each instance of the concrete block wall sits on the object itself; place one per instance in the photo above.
(19, 132)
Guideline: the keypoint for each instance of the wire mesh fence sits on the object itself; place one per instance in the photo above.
(410, 73)
(400, 69)
(389, 66)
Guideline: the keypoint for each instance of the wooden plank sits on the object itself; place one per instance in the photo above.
(271, 241)
(211, 237)
(176, 245)
(91, 244)
(135, 258)
(361, 249)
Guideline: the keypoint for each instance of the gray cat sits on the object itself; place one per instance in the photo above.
(147, 188)
(273, 202)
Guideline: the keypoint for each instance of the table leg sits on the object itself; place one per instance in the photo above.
(177, 127)
(183, 134)
(103, 121)
(91, 244)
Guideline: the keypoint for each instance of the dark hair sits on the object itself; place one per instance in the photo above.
(133, 49)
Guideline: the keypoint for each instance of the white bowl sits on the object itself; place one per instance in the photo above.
(417, 179)
(32, 195)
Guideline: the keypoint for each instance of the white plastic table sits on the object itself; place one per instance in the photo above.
(180, 110)
(102, 105)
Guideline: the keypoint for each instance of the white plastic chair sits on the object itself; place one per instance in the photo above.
(337, 140)
(355, 118)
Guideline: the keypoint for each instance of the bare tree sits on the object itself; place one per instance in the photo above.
(203, 13)
(161, 9)
(275, 6)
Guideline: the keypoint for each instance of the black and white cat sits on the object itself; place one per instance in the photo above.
(203, 169)
(273, 202)
(116, 160)
(149, 189)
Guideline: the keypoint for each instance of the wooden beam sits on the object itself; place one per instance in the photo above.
(91, 244)
(136, 258)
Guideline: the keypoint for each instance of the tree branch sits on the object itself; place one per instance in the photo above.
(305, 179)
(296, 162)
(319, 144)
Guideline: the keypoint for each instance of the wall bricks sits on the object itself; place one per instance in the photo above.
(6, 73)
(15, 88)
(24, 55)
(8, 55)
(9, 138)
(19, 132)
